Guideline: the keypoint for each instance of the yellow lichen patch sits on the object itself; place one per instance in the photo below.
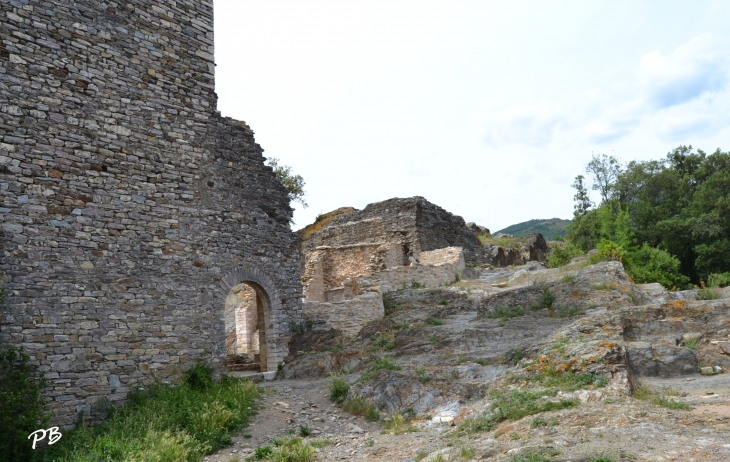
(606, 344)
(678, 304)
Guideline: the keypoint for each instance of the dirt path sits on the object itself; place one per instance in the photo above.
(624, 429)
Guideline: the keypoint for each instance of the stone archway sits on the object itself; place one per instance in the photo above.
(251, 310)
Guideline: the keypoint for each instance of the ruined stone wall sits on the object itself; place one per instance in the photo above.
(414, 223)
(128, 206)
(437, 268)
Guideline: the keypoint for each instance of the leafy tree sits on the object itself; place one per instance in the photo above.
(294, 184)
(605, 170)
(649, 264)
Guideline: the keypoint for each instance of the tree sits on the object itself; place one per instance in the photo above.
(582, 201)
(294, 184)
(605, 170)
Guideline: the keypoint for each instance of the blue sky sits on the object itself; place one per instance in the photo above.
(488, 109)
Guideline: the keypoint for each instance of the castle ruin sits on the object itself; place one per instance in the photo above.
(140, 230)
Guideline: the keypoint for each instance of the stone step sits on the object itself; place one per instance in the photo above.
(254, 376)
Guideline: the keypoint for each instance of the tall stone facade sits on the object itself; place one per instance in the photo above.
(129, 208)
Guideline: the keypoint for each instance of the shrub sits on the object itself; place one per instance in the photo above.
(338, 390)
(21, 403)
(562, 253)
(547, 298)
(706, 293)
(718, 280)
(649, 264)
(608, 251)
(199, 377)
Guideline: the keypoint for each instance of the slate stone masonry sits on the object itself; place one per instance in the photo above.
(128, 206)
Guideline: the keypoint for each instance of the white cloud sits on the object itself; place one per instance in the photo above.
(693, 69)
(522, 124)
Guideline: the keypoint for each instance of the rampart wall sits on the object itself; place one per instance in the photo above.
(128, 206)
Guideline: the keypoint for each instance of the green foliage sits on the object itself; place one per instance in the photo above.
(363, 407)
(443, 302)
(680, 204)
(670, 403)
(290, 450)
(706, 293)
(304, 431)
(199, 377)
(21, 403)
(505, 312)
(547, 298)
(567, 312)
(608, 251)
(717, 280)
(649, 264)
(514, 405)
(417, 285)
(338, 390)
(692, 344)
(399, 424)
(294, 184)
(435, 321)
(164, 424)
(562, 253)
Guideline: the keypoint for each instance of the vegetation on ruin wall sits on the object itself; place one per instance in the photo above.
(667, 220)
(165, 424)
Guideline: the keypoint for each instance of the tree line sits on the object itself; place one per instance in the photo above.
(667, 220)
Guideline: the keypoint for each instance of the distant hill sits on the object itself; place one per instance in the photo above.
(548, 228)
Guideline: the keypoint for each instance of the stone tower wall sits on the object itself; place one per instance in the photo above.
(128, 206)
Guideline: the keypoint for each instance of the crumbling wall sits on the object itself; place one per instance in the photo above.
(128, 206)
(414, 223)
(435, 269)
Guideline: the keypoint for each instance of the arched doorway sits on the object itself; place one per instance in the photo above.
(246, 315)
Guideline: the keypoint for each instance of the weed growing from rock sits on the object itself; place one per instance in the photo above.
(503, 313)
(304, 431)
(362, 407)
(435, 321)
(536, 455)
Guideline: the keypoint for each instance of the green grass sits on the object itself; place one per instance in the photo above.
(604, 286)
(707, 294)
(338, 390)
(504, 312)
(566, 312)
(693, 343)
(435, 321)
(399, 424)
(514, 405)
(362, 407)
(536, 455)
(285, 449)
(165, 424)
(670, 403)
(444, 302)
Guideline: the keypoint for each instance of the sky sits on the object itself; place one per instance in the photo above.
(488, 109)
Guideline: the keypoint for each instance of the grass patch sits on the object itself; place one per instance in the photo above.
(422, 377)
(399, 424)
(285, 450)
(362, 407)
(444, 302)
(693, 344)
(645, 393)
(400, 326)
(338, 390)
(435, 321)
(707, 294)
(503, 312)
(514, 405)
(165, 424)
(536, 455)
(566, 312)
(568, 278)
(604, 286)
